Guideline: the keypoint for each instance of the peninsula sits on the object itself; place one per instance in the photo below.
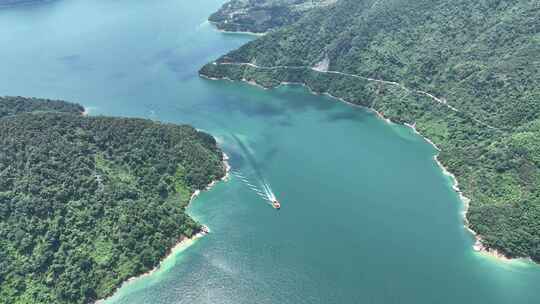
(88, 202)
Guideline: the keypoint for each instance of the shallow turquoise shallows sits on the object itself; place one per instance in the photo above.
(367, 216)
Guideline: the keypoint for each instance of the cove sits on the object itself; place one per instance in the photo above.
(367, 216)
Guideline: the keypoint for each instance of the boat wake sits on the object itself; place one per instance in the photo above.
(261, 189)
(202, 25)
(256, 184)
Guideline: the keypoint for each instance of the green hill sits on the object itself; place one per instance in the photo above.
(16, 105)
(87, 202)
(260, 16)
(466, 73)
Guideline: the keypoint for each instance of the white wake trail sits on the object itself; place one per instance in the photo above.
(269, 193)
(263, 189)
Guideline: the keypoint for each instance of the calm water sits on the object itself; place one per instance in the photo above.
(367, 216)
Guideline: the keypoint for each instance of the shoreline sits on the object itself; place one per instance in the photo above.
(183, 242)
(215, 24)
(286, 83)
(478, 247)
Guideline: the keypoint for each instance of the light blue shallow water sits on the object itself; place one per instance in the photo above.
(367, 215)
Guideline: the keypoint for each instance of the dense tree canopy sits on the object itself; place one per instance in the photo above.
(480, 59)
(260, 16)
(87, 202)
(16, 105)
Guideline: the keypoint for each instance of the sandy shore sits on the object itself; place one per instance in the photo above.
(87, 110)
(183, 242)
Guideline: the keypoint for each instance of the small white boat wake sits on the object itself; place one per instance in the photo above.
(263, 189)
(257, 183)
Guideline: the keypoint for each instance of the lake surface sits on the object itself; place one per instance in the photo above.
(367, 216)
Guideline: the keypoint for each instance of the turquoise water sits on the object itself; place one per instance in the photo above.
(367, 215)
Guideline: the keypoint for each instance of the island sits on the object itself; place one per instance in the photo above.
(463, 74)
(88, 202)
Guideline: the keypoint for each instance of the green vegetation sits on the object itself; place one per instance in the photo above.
(16, 105)
(480, 58)
(260, 16)
(87, 202)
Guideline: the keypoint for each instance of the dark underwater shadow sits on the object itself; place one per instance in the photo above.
(75, 63)
(352, 114)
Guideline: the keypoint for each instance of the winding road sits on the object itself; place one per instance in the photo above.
(431, 96)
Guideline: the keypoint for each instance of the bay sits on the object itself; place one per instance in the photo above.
(367, 216)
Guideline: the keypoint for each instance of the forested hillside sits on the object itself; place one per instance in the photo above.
(16, 105)
(466, 73)
(87, 202)
(260, 16)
